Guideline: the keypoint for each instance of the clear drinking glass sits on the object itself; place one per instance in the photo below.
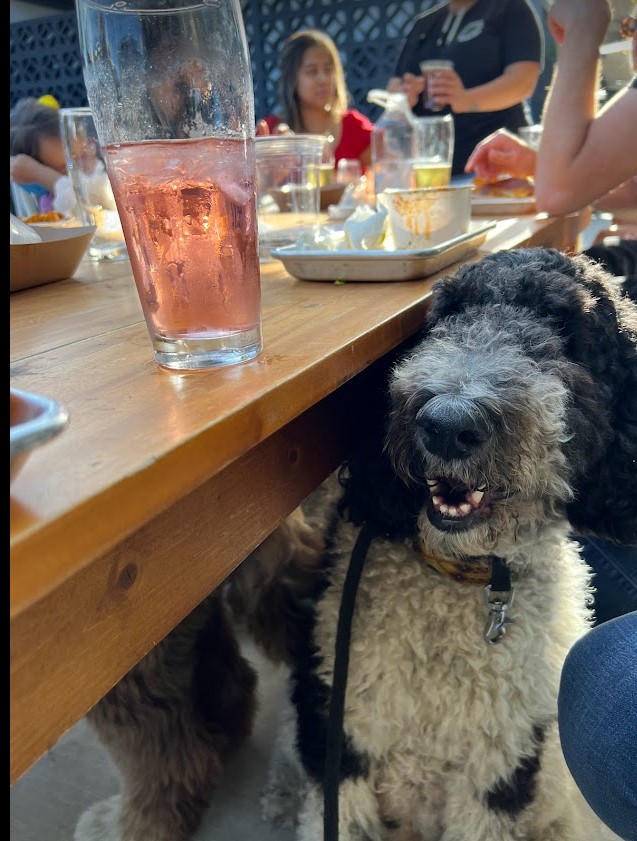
(531, 135)
(349, 171)
(170, 88)
(432, 65)
(433, 141)
(329, 161)
(288, 189)
(86, 169)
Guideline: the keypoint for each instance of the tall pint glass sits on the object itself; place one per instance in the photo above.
(170, 88)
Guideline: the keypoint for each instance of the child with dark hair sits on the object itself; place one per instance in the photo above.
(37, 159)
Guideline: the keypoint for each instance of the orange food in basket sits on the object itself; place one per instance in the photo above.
(49, 216)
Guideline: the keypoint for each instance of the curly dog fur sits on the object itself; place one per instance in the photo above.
(168, 725)
(172, 721)
(446, 738)
(509, 421)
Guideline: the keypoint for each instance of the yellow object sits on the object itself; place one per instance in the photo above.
(49, 100)
(431, 173)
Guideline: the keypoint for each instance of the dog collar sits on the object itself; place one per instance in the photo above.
(462, 570)
(489, 571)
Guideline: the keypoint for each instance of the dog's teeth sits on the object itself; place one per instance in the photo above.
(465, 508)
(482, 488)
(476, 497)
(437, 500)
(432, 482)
(444, 509)
(453, 511)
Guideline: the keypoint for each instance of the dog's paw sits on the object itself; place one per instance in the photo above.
(99, 822)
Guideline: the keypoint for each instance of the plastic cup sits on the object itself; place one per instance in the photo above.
(288, 188)
(432, 156)
(349, 171)
(432, 65)
(531, 135)
(91, 185)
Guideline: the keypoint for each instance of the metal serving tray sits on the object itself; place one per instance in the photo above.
(381, 266)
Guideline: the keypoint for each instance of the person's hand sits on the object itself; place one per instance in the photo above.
(446, 88)
(413, 87)
(282, 128)
(263, 129)
(499, 154)
(587, 17)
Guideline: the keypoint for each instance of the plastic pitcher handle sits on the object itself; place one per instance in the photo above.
(379, 97)
(392, 100)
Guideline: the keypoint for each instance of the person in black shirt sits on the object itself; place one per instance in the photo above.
(497, 48)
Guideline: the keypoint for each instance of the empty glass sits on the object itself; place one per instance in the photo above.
(288, 191)
(432, 65)
(86, 169)
(349, 171)
(531, 135)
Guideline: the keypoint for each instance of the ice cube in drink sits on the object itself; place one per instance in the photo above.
(188, 211)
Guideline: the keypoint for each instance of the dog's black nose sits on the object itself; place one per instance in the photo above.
(452, 427)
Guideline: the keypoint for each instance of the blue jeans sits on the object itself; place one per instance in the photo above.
(597, 716)
(615, 578)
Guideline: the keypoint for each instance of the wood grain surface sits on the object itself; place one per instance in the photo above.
(164, 481)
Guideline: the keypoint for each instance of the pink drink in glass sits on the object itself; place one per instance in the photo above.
(188, 211)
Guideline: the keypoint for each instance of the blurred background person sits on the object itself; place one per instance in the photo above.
(497, 50)
(585, 157)
(36, 154)
(313, 97)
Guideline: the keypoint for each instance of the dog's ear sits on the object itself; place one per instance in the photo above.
(372, 492)
(606, 490)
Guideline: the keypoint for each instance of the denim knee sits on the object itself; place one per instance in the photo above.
(597, 716)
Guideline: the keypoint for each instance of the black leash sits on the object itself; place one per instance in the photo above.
(498, 596)
(334, 735)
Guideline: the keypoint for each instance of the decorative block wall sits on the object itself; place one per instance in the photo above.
(44, 53)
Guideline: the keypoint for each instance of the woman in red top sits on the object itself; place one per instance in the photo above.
(313, 97)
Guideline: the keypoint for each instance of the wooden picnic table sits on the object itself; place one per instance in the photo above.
(163, 482)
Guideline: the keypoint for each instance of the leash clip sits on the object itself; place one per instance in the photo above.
(498, 602)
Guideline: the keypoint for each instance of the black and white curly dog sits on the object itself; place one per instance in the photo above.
(511, 421)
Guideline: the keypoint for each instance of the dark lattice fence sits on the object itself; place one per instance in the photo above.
(367, 34)
(45, 58)
(44, 53)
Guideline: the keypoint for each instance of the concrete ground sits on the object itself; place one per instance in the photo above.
(47, 802)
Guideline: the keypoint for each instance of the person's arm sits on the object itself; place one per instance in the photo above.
(622, 198)
(582, 156)
(23, 169)
(516, 84)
